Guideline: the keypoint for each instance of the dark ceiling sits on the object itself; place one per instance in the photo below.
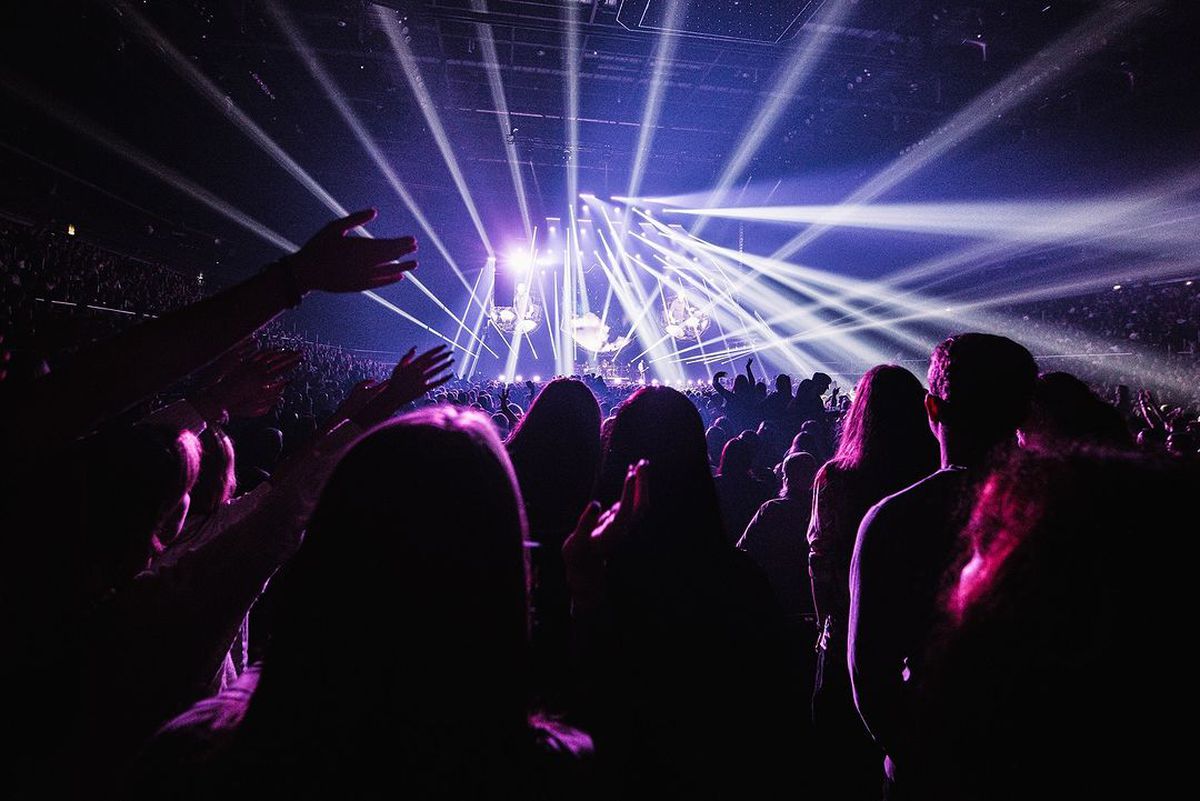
(896, 70)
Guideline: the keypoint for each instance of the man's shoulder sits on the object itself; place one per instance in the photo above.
(931, 496)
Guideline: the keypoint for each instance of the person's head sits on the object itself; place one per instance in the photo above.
(715, 438)
(886, 429)
(218, 477)
(662, 426)
(980, 390)
(772, 445)
(1066, 412)
(134, 494)
(805, 442)
(821, 383)
(737, 456)
(415, 556)
(264, 448)
(1055, 576)
(555, 450)
(799, 470)
(741, 384)
(783, 384)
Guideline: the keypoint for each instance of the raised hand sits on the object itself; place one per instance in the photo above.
(332, 261)
(251, 388)
(598, 533)
(355, 401)
(411, 379)
(719, 376)
(221, 366)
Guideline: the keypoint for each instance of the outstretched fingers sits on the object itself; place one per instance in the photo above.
(345, 225)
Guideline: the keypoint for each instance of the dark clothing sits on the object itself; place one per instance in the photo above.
(774, 539)
(693, 695)
(199, 756)
(840, 500)
(739, 497)
(904, 547)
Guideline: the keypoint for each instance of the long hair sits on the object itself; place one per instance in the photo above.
(402, 634)
(886, 432)
(555, 451)
(662, 426)
(217, 481)
(1049, 663)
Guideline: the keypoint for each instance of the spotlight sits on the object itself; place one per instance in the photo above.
(537, 379)
(520, 260)
(502, 377)
(1116, 287)
(519, 378)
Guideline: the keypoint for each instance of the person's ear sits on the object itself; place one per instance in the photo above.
(935, 407)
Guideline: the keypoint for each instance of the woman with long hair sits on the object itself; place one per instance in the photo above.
(885, 446)
(399, 661)
(555, 452)
(692, 694)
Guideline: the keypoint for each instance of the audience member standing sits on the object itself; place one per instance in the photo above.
(980, 390)
(885, 446)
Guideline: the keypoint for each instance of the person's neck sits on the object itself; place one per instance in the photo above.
(964, 451)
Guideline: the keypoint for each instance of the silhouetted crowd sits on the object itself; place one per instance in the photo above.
(243, 565)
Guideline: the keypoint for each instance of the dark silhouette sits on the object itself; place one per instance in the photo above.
(555, 452)
(1032, 689)
(739, 493)
(400, 656)
(1066, 413)
(885, 446)
(980, 390)
(774, 539)
(692, 695)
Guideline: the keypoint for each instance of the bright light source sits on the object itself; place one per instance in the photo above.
(587, 196)
(520, 260)
(70, 230)
(537, 379)
(502, 377)
(518, 379)
(1116, 287)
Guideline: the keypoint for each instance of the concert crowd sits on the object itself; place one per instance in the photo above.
(246, 565)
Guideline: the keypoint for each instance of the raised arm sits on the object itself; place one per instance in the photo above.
(119, 372)
(725, 394)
